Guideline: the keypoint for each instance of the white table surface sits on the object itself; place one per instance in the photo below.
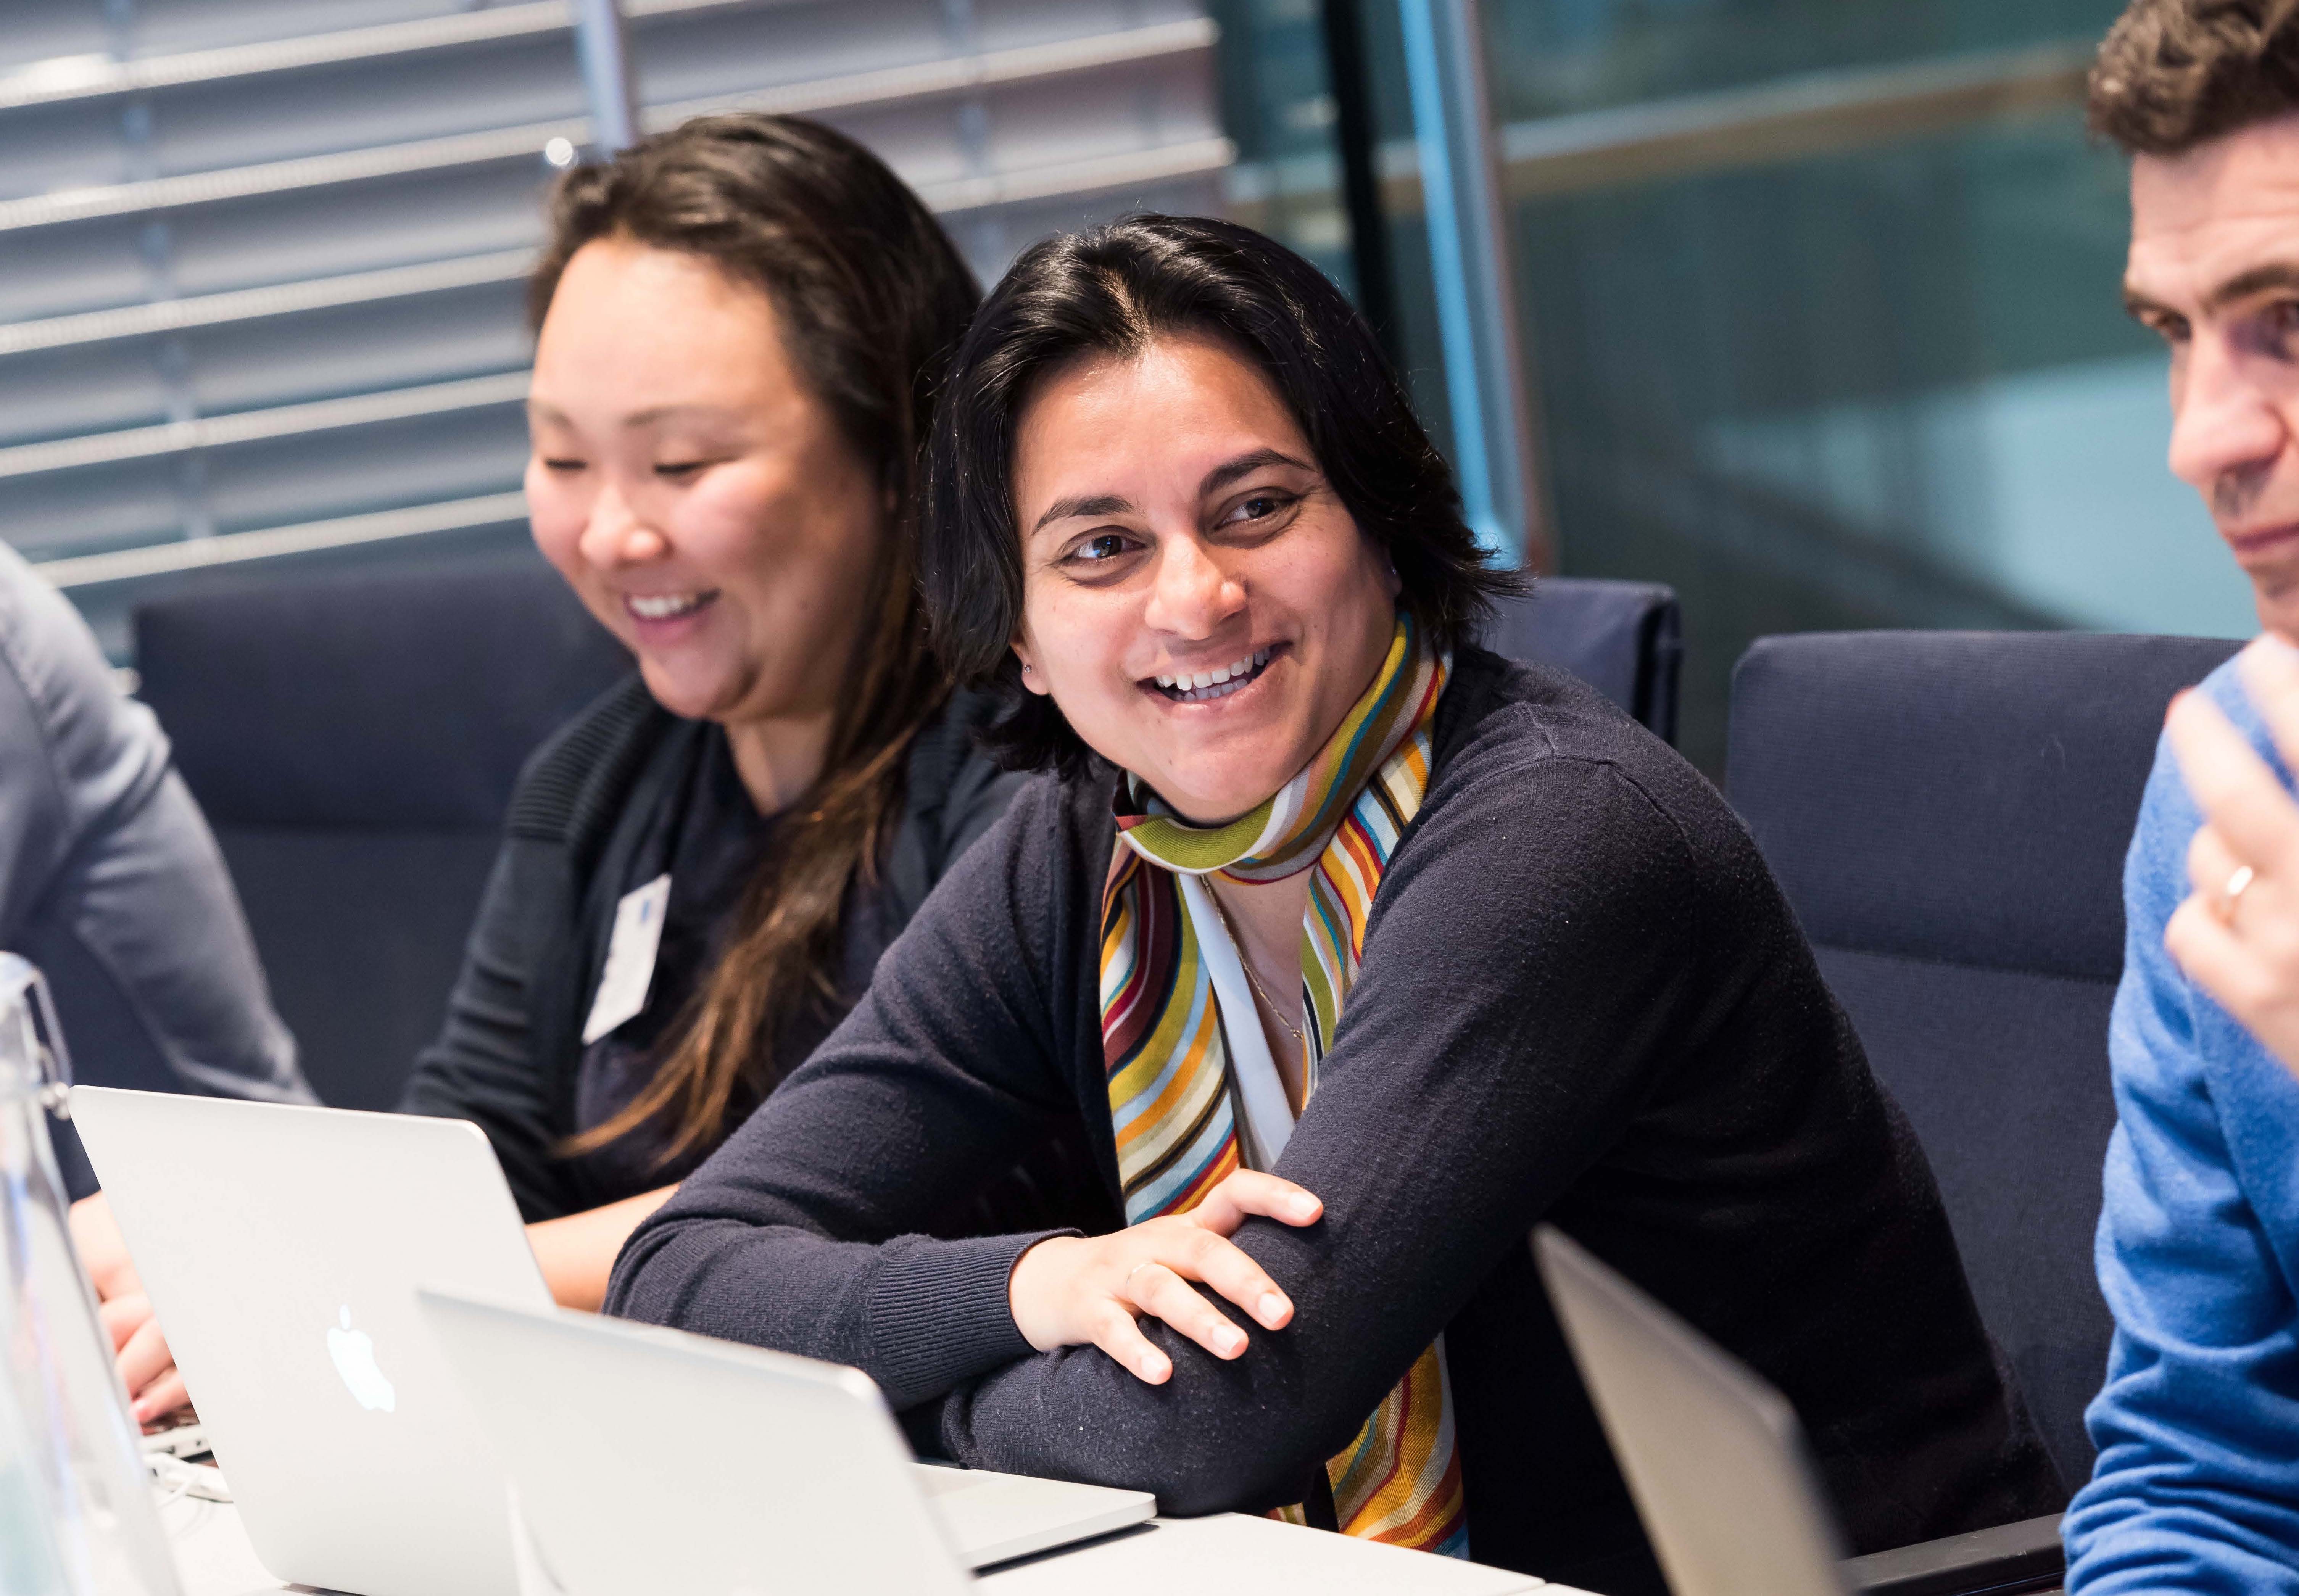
(1226, 1555)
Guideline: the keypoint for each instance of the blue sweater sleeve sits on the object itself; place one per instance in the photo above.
(2198, 1423)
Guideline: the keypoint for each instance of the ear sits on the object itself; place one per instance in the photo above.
(1031, 680)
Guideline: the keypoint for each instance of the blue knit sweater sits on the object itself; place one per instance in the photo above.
(2197, 1484)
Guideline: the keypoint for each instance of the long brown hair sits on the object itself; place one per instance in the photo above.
(872, 299)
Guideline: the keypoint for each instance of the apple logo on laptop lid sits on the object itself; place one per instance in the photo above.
(353, 1354)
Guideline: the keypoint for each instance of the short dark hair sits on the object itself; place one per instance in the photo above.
(2174, 74)
(1114, 290)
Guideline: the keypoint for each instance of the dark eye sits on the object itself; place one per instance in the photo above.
(2171, 329)
(560, 463)
(1259, 507)
(1106, 545)
(2282, 318)
(676, 468)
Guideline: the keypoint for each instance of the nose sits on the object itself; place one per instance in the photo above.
(2224, 427)
(616, 536)
(1191, 595)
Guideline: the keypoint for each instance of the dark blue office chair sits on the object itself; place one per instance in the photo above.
(354, 741)
(1948, 813)
(1626, 639)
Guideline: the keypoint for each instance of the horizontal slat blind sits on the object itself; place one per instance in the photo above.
(261, 260)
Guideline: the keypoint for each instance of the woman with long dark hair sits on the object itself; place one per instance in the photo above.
(740, 328)
(1355, 951)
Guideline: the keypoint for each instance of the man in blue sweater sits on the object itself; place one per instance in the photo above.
(2196, 1487)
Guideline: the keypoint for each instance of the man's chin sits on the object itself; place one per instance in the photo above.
(2280, 616)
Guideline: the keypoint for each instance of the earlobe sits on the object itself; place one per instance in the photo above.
(1030, 677)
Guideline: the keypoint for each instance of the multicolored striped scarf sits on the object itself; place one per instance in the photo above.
(1171, 1093)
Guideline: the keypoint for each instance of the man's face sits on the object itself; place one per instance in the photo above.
(2214, 268)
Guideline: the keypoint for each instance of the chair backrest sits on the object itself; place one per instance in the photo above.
(1625, 639)
(354, 742)
(1948, 813)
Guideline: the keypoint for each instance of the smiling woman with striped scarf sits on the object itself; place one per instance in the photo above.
(1353, 950)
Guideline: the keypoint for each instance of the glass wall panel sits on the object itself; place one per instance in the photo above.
(1886, 388)
(1876, 373)
(1553, 56)
(1278, 104)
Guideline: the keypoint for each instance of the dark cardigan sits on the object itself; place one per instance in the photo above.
(508, 1053)
(1583, 999)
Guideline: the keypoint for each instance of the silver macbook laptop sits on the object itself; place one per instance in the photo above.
(650, 1460)
(1713, 1455)
(281, 1248)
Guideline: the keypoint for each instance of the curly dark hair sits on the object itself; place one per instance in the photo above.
(2173, 74)
(1113, 290)
(871, 297)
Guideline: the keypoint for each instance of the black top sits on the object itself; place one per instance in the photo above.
(1583, 1000)
(621, 795)
(709, 839)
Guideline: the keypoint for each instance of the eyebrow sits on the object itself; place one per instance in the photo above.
(1062, 510)
(545, 410)
(2242, 286)
(1245, 465)
(1215, 480)
(667, 413)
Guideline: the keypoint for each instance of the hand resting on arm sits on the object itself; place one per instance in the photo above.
(1073, 1290)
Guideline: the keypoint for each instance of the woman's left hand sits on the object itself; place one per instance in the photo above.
(1091, 1290)
(2237, 933)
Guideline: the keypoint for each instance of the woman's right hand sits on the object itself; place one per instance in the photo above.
(146, 1366)
(1090, 1291)
(2243, 947)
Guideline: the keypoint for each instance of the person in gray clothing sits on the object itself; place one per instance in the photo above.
(102, 847)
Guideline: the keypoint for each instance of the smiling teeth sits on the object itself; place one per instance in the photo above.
(1203, 686)
(662, 606)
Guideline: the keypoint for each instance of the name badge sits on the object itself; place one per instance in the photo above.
(630, 959)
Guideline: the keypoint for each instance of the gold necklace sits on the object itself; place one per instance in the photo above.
(1245, 963)
(1276, 1013)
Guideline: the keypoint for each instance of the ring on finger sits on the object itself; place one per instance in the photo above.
(2239, 882)
(1126, 1285)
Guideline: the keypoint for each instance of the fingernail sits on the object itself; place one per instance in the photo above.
(1232, 1343)
(1270, 1309)
(1153, 1369)
(1304, 1205)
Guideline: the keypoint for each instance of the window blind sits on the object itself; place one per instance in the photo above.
(261, 260)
